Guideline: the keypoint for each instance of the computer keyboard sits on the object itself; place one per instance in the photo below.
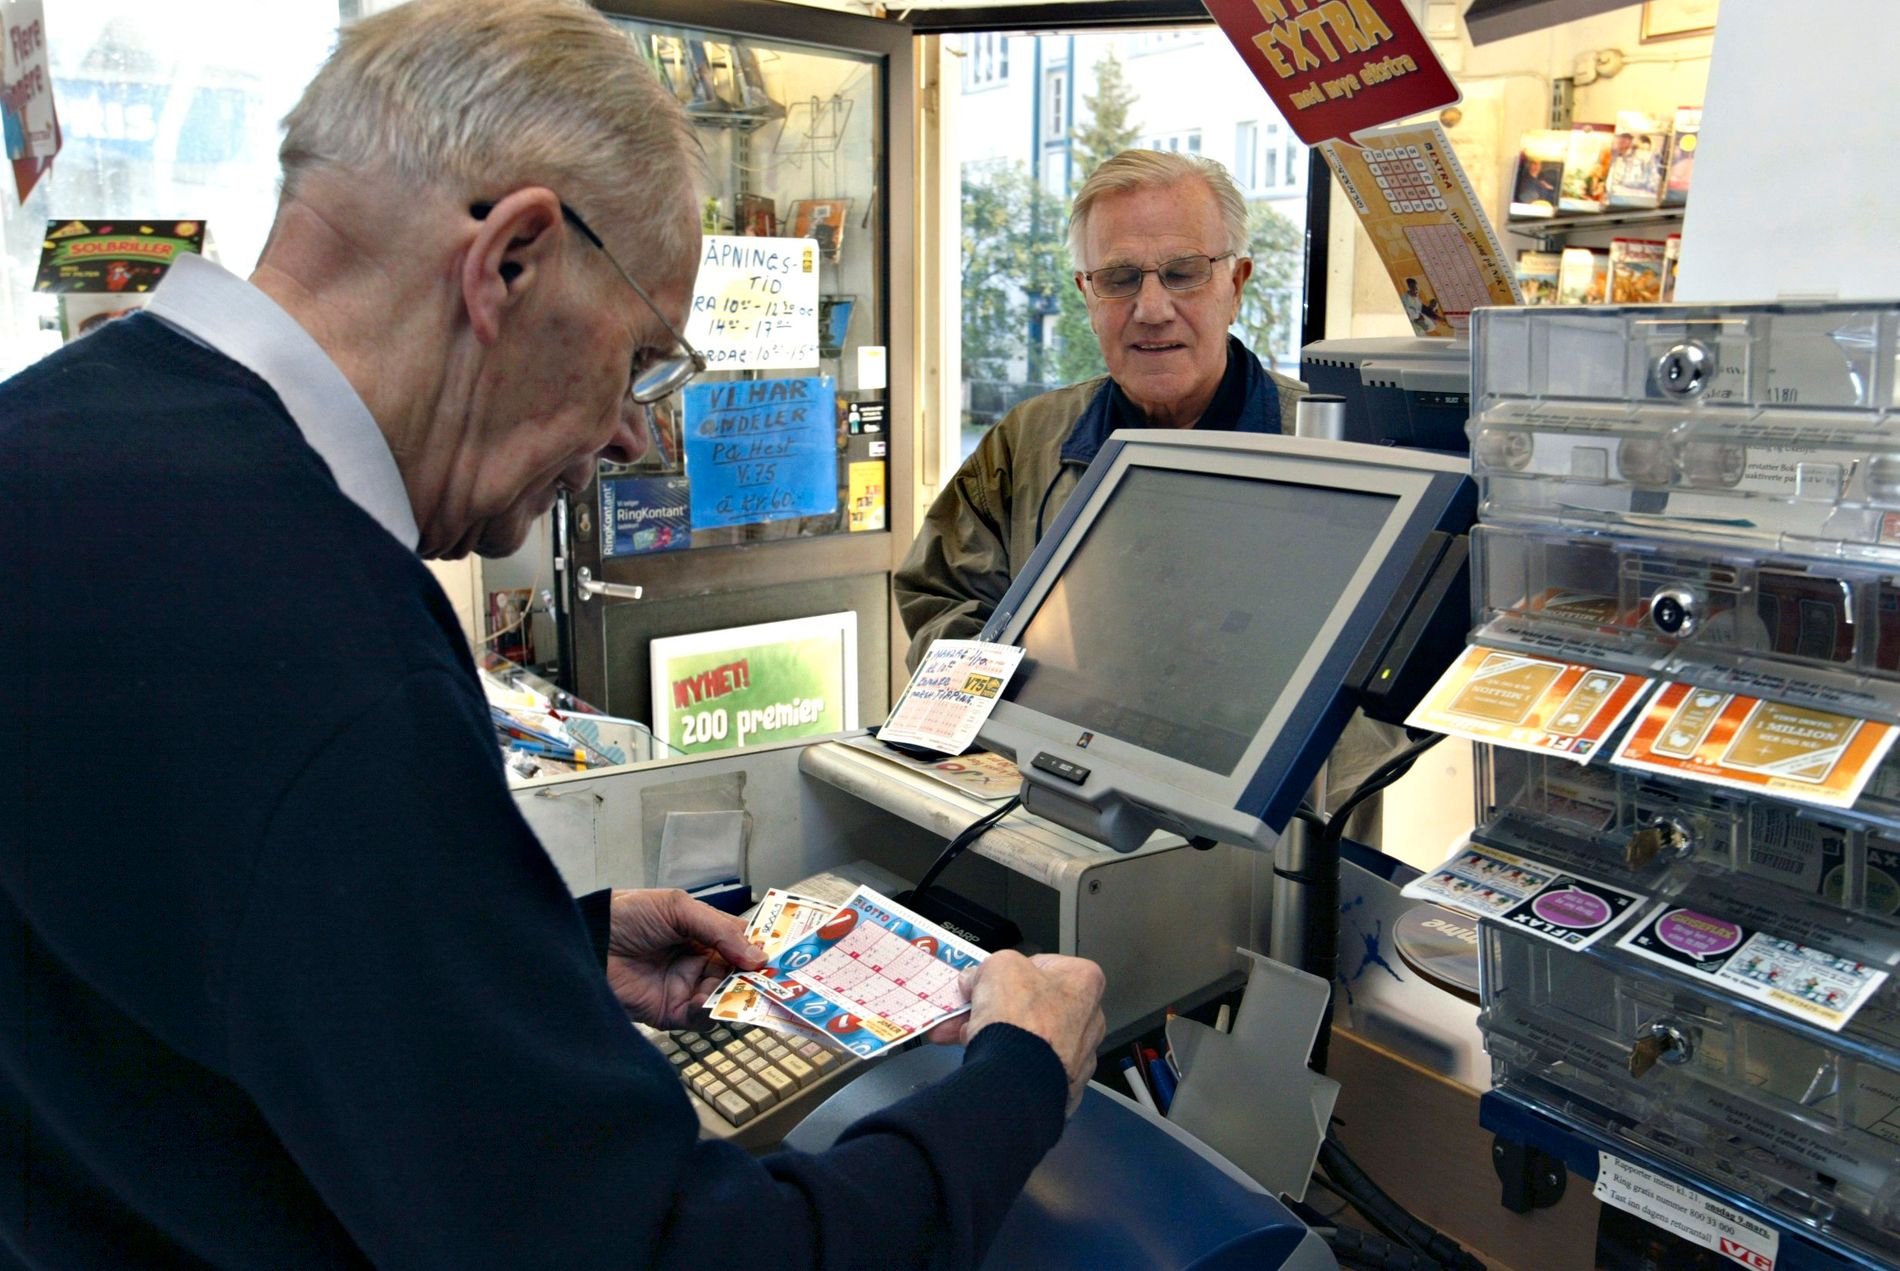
(752, 1085)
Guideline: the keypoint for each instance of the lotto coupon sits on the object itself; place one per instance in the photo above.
(1795, 979)
(874, 974)
(1748, 743)
(781, 919)
(1536, 704)
(1549, 903)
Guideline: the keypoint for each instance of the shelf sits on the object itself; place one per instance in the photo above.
(1557, 226)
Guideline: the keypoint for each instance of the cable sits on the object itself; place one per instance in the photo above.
(954, 848)
(1352, 1182)
(1364, 1251)
(1322, 950)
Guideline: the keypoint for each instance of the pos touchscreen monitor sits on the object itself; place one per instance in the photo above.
(1189, 620)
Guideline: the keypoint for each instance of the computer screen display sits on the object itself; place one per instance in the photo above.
(1182, 614)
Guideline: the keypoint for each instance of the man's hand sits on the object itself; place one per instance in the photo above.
(1058, 999)
(666, 952)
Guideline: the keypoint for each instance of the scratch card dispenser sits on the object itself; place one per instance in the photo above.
(1549, 903)
(1748, 743)
(1537, 704)
(1795, 979)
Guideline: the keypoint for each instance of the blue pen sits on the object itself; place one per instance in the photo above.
(1163, 1082)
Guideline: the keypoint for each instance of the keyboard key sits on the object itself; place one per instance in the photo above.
(691, 1070)
(707, 1085)
(780, 1084)
(798, 1070)
(726, 1067)
(734, 1107)
(757, 1064)
(666, 1044)
(720, 1036)
(760, 1096)
(699, 1045)
(679, 1058)
(823, 1061)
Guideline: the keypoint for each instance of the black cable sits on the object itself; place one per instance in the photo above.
(1352, 1182)
(1364, 1251)
(954, 848)
(1322, 874)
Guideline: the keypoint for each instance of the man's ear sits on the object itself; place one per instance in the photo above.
(513, 246)
(1243, 270)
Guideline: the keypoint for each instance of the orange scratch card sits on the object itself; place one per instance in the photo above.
(1508, 699)
(1747, 743)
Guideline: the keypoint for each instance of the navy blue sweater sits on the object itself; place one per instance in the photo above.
(285, 980)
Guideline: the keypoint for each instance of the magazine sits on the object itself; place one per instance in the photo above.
(758, 216)
(1636, 271)
(1575, 275)
(1587, 169)
(1540, 172)
(1537, 276)
(1638, 159)
(823, 220)
(1682, 156)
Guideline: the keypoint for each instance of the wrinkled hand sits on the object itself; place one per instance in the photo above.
(1058, 999)
(666, 952)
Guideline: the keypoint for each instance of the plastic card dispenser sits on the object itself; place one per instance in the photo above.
(1248, 1094)
(1711, 496)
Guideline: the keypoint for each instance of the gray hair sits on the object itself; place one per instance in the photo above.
(1149, 169)
(487, 96)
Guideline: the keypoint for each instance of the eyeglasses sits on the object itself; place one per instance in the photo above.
(650, 381)
(1183, 273)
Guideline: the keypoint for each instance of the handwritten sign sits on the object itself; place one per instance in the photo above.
(27, 114)
(1334, 67)
(954, 690)
(755, 303)
(762, 450)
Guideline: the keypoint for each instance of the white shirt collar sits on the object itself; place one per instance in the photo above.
(221, 310)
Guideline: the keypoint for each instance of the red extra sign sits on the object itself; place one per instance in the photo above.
(1334, 67)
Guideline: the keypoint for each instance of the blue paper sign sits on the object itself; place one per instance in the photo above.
(645, 514)
(762, 450)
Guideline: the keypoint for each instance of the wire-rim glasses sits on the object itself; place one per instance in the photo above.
(648, 382)
(1183, 273)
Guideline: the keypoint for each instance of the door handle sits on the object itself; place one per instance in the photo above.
(589, 587)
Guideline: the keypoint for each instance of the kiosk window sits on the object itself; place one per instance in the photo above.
(1146, 636)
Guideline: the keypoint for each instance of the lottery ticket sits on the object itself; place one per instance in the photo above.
(1809, 983)
(873, 975)
(781, 919)
(1563, 908)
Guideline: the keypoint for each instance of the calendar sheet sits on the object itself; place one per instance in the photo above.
(871, 976)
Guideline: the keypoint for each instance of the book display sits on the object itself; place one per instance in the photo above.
(1611, 234)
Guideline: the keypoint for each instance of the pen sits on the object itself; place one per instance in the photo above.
(1163, 1080)
(565, 753)
(1136, 1085)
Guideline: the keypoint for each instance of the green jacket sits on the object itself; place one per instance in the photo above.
(985, 522)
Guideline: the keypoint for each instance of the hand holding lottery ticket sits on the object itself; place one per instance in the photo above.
(1058, 999)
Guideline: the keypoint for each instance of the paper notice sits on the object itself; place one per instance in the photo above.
(1747, 743)
(954, 690)
(1508, 699)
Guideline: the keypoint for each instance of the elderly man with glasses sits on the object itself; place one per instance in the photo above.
(285, 978)
(1159, 243)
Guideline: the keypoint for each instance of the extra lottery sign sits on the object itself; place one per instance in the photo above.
(1336, 67)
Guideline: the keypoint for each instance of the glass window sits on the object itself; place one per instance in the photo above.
(161, 117)
(1025, 328)
(986, 61)
(1055, 110)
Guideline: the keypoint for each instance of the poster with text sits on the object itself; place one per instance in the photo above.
(755, 303)
(1337, 68)
(762, 450)
(745, 686)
